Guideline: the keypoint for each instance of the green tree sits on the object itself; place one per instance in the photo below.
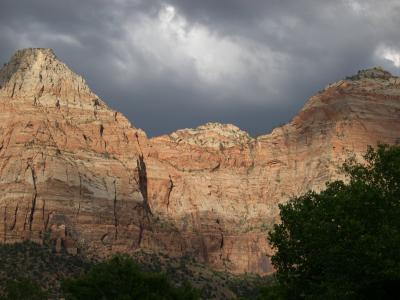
(273, 292)
(120, 278)
(23, 289)
(344, 242)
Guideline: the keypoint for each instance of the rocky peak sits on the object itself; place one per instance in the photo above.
(36, 73)
(212, 135)
(372, 73)
(223, 129)
(374, 80)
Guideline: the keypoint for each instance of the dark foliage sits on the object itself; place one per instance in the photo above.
(343, 243)
(23, 289)
(121, 278)
(39, 265)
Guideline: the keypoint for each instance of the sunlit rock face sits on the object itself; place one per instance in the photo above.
(76, 172)
(69, 164)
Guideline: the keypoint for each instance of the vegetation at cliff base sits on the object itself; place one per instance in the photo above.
(121, 278)
(29, 271)
(344, 242)
(23, 289)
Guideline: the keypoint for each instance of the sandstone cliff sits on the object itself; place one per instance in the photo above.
(76, 172)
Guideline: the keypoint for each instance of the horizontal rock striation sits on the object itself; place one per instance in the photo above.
(77, 173)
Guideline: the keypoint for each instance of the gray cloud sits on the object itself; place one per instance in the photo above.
(174, 64)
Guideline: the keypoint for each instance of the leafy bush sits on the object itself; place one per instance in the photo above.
(39, 264)
(23, 289)
(344, 242)
(121, 278)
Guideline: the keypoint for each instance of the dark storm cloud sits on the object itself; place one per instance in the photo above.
(178, 63)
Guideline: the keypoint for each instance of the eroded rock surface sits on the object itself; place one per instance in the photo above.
(76, 172)
(69, 165)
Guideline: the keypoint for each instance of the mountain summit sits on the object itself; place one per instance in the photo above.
(76, 172)
(34, 73)
(372, 73)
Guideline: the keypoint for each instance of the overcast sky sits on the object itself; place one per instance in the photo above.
(174, 64)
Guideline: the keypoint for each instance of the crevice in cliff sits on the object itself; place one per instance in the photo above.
(43, 210)
(141, 166)
(170, 188)
(12, 226)
(80, 198)
(115, 211)
(216, 167)
(46, 224)
(41, 92)
(96, 104)
(137, 140)
(103, 237)
(5, 224)
(13, 90)
(34, 197)
(222, 241)
(139, 242)
(26, 218)
(252, 157)
(43, 164)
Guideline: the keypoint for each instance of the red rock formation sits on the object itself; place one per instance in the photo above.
(67, 160)
(76, 172)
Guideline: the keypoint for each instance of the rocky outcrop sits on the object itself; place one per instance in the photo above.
(76, 172)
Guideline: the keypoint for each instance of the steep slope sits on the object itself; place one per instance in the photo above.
(77, 172)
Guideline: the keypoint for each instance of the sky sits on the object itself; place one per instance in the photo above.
(179, 64)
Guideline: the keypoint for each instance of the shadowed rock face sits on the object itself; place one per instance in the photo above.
(77, 172)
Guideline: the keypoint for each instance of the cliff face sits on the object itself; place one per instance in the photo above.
(69, 164)
(233, 183)
(76, 172)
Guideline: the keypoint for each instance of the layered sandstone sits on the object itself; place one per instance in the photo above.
(77, 172)
(70, 166)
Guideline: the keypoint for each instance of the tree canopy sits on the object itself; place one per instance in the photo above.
(22, 289)
(344, 242)
(120, 278)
